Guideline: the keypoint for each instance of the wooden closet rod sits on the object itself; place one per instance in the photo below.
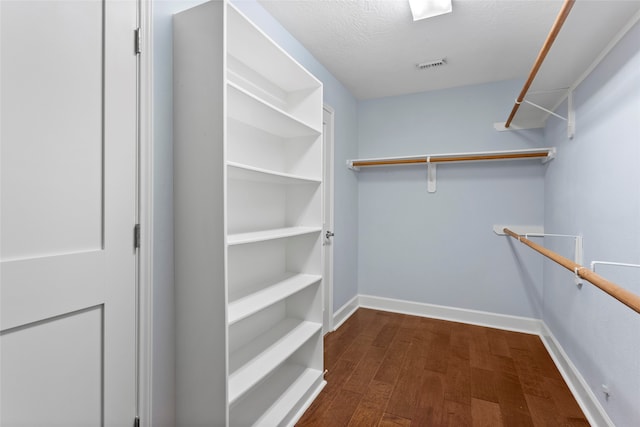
(555, 29)
(626, 297)
(361, 163)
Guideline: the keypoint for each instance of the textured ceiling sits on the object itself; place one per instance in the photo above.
(373, 46)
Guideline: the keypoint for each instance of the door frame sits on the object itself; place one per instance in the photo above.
(328, 119)
(144, 380)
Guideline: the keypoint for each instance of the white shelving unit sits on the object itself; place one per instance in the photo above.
(248, 224)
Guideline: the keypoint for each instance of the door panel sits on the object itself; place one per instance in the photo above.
(70, 394)
(68, 153)
(52, 99)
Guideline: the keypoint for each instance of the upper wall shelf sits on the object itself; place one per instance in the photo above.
(567, 57)
(544, 154)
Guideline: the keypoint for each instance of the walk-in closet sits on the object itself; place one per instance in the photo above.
(361, 239)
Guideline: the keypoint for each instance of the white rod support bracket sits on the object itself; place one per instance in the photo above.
(546, 110)
(578, 253)
(578, 258)
(550, 156)
(621, 264)
(350, 166)
(431, 176)
(571, 116)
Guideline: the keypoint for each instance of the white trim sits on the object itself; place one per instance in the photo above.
(145, 217)
(588, 402)
(344, 312)
(481, 318)
(593, 410)
(327, 283)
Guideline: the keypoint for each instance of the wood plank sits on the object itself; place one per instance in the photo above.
(341, 409)
(564, 400)
(357, 349)
(335, 379)
(459, 341)
(386, 334)
(390, 420)
(483, 385)
(458, 381)
(391, 366)
(513, 404)
(518, 340)
(530, 378)
(543, 359)
(407, 390)
(371, 407)
(486, 414)
(457, 414)
(498, 342)
(543, 411)
(362, 375)
(438, 352)
(479, 350)
(430, 409)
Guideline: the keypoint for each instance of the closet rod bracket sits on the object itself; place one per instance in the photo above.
(578, 251)
(431, 176)
(620, 264)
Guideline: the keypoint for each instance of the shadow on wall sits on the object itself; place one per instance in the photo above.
(527, 279)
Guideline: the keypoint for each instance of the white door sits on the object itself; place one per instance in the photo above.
(68, 209)
(327, 159)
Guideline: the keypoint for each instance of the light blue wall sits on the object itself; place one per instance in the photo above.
(346, 207)
(439, 248)
(593, 189)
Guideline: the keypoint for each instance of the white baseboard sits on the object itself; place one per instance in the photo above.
(344, 312)
(474, 317)
(593, 410)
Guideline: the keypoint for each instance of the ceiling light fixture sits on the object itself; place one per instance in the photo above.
(421, 9)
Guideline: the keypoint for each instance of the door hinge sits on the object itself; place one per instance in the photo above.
(136, 236)
(137, 41)
(136, 422)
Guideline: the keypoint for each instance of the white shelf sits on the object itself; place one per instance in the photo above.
(253, 362)
(251, 46)
(247, 108)
(278, 290)
(250, 173)
(276, 233)
(275, 399)
(255, 136)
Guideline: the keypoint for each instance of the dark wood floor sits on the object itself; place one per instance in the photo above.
(387, 369)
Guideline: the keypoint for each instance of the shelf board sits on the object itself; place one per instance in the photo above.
(247, 108)
(250, 173)
(276, 291)
(275, 399)
(253, 362)
(276, 233)
(253, 47)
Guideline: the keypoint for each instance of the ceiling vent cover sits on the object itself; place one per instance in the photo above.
(432, 64)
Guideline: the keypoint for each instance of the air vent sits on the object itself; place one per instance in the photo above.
(432, 64)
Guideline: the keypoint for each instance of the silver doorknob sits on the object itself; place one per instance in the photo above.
(329, 234)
